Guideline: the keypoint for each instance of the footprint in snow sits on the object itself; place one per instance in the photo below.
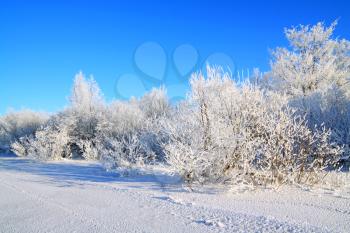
(174, 200)
(211, 222)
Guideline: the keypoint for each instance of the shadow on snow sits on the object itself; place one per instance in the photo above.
(69, 173)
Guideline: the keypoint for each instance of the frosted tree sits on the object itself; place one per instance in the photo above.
(225, 132)
(130, 134)
(155, 104)
(315, 73)
(314, 61)
(156, 107)
(86, 95)
(118, 134)
(15, 125)
(71, 133)
(49, 142)
(82, 117)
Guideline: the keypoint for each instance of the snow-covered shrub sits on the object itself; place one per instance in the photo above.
(335, 115)
(83, 117)
(155, 104)
(119, 132)
(122, 152)
(123, 118)
(122, 133)
(331, 109)
(71, 133)
(315, 73)
(49, 142)
(15, 125)
(156, 107)
(130, 133)
(242, 134)
(46, 144)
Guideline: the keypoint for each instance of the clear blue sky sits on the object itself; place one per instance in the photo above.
(44, 43)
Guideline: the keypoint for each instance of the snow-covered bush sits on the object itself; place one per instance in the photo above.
(46, 144)
(123, 118)
(155, 104)
(330, 108)
(71, 133)
(130, 133)
(83, 117)
(315, 73)
(156, 107)
(119, 132)
(242, 134)
(15, 125)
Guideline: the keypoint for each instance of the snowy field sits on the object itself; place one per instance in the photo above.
(77, 196)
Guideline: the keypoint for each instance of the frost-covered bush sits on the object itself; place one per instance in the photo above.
(71, 133)
(130, 134)
(47, 143)
(119, 133)
(155, 104)
(83, 117)
(156, 107)
(315, 73)
(331, 109)
(15, 125)
(242, 134)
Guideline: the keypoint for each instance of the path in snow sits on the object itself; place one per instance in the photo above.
(73, 196)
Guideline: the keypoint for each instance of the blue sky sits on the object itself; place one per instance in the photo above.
(130, 46)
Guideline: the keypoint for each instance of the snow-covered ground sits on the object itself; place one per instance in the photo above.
(73, 196)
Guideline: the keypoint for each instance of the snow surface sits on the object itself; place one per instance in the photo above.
(79, 196)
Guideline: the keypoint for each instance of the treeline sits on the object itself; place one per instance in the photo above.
(289, 125)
